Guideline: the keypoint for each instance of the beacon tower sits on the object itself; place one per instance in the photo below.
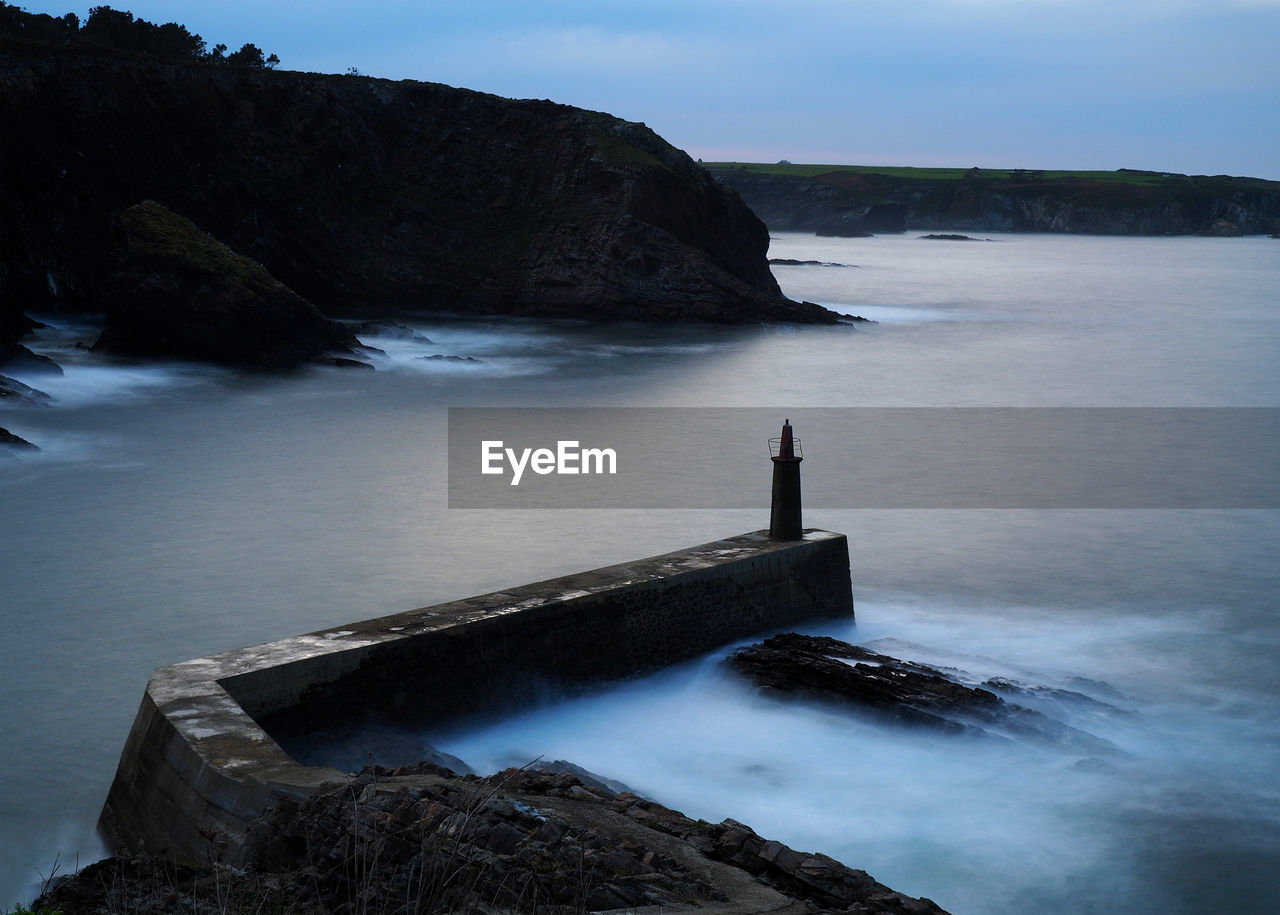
(784, 513)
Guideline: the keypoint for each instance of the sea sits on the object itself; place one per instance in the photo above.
(178, 510)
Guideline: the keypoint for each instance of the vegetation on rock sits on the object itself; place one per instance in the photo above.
(180, 293)
(117, 30)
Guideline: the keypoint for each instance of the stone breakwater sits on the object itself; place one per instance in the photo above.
(207, 757)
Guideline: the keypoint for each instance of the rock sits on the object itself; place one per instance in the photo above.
(17, 358)
(391, 329)
(791, 262)
(341, 362)
(366, 195)
(14, 325)
(14, 390)
(585, 777)
(446, 358)
(519, 840)
(900, 691)
(1224, 228)
(949, 237)
(179, 293)
(14, 444)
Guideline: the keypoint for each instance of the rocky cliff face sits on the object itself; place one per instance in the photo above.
(366, 195)
(856, 203)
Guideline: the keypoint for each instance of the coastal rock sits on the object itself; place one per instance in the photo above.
(14, 325)
(179, 293)
(906, 692)
(521, 840)
(17, 358)
(14, 390)
(370, 196)
(792, 262)
(392, 329)
(1224, 228)
(14, 444)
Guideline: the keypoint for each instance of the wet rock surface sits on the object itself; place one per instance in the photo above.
(891, 689)
(423, 839)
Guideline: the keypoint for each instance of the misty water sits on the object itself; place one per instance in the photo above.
(179, 510)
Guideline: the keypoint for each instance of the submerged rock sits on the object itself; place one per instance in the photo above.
(901, 691)
(179, 293)
(946, 236)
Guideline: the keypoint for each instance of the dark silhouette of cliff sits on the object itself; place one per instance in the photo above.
(860, 201)
(365, 195)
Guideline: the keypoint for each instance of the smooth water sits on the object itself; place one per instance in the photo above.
(177, 511)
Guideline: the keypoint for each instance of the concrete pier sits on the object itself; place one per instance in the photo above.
(204, 759)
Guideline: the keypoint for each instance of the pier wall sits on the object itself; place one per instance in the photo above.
(204, 758)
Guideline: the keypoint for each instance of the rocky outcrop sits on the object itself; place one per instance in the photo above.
(522, 840)
(179, 293)
(14, 325)
(14, 444)
(13, 390)
(367, 195)
(823, 668)
(856, 203)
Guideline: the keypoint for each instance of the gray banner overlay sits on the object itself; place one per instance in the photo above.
(967, 457)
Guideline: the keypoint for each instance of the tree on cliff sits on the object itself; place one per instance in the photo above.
(119, 30)
(17, 23)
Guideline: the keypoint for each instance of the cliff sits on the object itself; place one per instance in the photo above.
(855, 200)
(364, 195)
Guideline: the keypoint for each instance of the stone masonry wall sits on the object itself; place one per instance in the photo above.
(204, 757)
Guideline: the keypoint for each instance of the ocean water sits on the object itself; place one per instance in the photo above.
(179, 510)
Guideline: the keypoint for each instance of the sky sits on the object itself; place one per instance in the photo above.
(1189, 86)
